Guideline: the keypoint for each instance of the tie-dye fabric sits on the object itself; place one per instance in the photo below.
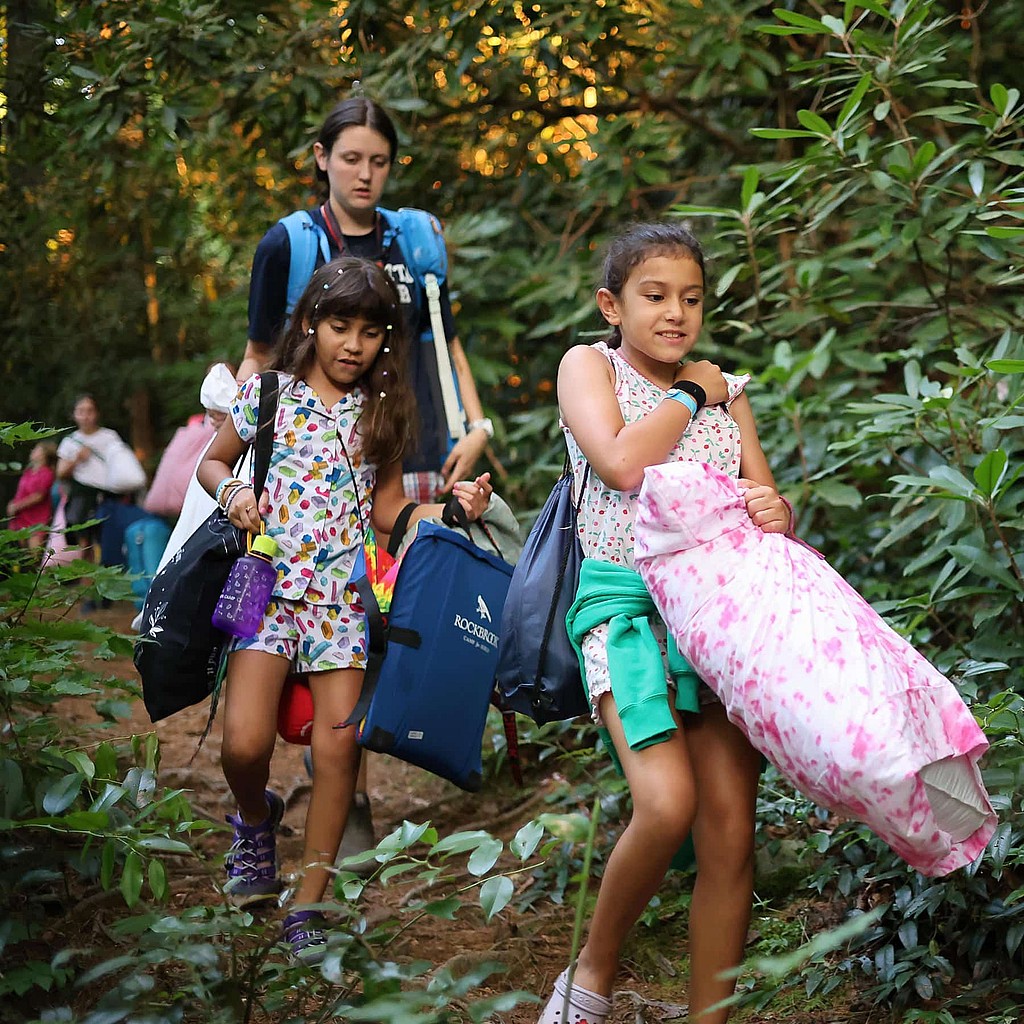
(314, 515)
(845, 708)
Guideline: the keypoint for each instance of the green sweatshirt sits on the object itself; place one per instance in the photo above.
(616, 595)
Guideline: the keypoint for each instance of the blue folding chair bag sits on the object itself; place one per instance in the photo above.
(431, 660)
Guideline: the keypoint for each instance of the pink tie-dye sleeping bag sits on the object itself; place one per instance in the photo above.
(844, 707)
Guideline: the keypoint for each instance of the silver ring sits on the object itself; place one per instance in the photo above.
(248, 508)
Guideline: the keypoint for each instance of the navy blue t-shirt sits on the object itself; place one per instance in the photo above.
(268, 293)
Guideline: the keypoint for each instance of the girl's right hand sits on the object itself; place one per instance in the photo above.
(245, 512)
(709, 376)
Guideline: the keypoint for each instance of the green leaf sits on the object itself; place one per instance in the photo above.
(704, 211)
(853, 100)
(1005, 365)
(81, 762)
(131, 878)
(527, 839)
(834, 25)
(814, 122)
(108, 859)
(85, 821)
(460, 842)
(1000, 97)
(782, 133)
(981, 562)
(750, 179)
(483, 858)
(838, 494)
(157, 880)
(496, 1006)
(574, 827)
(989, 473)
(800, 20)
(1004, 232)
(12, 786)
(951, 480)
(446, 908)
(723, 284)
(63, 793)
(976, 176)
(999, 846)
(401, 868)
(495, 894)
(164, 844)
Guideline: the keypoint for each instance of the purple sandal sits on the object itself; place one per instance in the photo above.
(304, 933)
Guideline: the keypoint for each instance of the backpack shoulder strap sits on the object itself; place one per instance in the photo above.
(421, 240)
(305, 238)
(270, 390)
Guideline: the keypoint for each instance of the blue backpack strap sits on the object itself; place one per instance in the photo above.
(304, 238)
(421, 240)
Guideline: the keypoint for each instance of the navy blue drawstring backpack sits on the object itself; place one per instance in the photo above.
(431, 658)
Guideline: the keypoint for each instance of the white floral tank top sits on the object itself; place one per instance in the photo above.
(605, 521)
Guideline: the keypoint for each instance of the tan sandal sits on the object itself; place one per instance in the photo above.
(585, 1007)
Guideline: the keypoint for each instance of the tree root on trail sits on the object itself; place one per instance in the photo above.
(492, 823)
(666, 1011)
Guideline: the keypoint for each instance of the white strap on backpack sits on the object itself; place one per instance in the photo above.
(445, 373)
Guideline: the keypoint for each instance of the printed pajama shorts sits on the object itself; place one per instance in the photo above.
(313, 637)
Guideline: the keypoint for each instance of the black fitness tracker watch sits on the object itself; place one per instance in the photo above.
(694, 390)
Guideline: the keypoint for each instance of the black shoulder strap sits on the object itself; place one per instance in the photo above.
(270, 389)
(401, 525)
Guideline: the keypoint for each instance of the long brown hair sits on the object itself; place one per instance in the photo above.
(353, 287)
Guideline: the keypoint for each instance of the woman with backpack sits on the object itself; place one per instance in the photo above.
(355, 151)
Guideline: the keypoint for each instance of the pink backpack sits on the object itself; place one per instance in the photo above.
(178, 463)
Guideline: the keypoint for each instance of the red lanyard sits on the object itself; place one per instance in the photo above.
(338, 238)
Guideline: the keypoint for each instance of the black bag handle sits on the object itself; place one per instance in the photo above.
(264, 443)
(378, 634)
(401, 525)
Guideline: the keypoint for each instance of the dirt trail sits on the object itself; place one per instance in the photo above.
(534, 946)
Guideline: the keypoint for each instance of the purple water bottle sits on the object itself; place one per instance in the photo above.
(248, 590)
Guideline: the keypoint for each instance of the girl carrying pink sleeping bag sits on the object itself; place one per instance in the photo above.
(842, 705)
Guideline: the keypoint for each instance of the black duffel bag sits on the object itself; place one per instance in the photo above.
(179, 652)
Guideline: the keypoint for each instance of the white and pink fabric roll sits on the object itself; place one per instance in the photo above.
(842, 705)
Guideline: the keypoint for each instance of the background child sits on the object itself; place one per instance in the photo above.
(345, 417)
(629, 402)
(31, 505)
